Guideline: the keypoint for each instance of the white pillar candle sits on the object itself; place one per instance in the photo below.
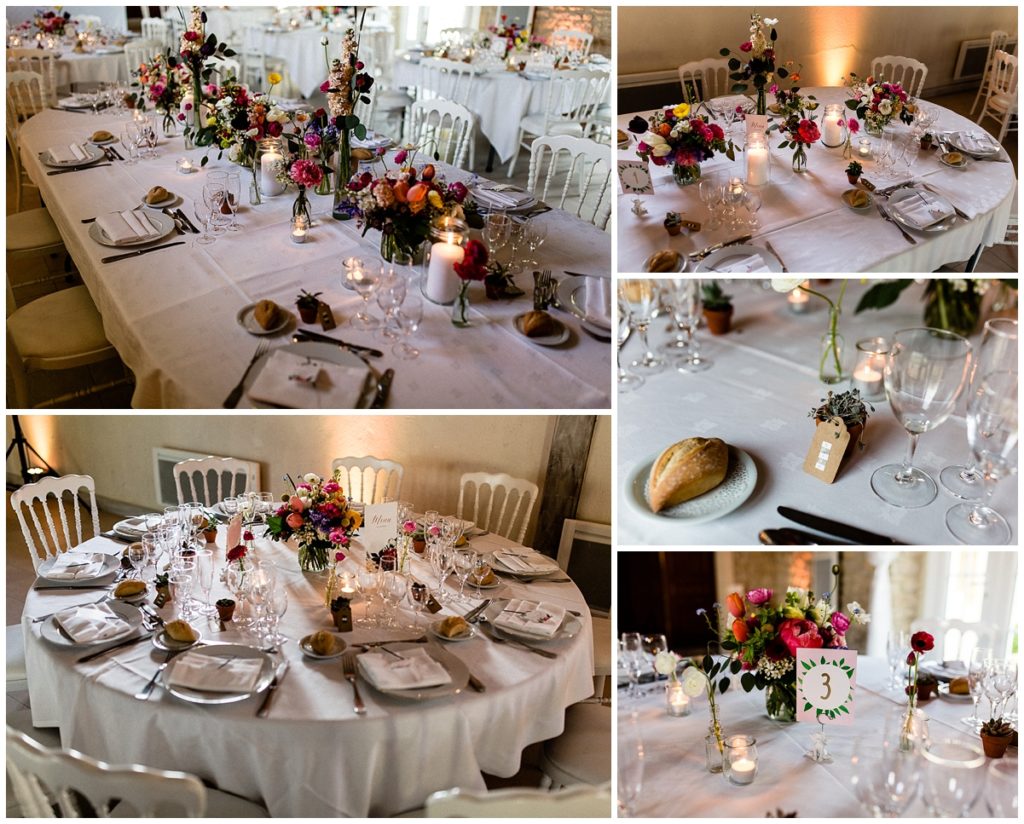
(757, 165)
(742, 771)
(831, 131)
(270, 164)
(442, 280)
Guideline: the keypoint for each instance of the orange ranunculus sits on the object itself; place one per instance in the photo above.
(428, 172)
(417, 193)
(664, 130)
(739, 629)
(734, 603)
(401, 190)
(417, 206)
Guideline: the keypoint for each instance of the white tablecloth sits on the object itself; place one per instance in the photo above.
(171, 314)
(91, 68)
(304, 55)
(676, 783)
(756, 395)
(313, 756)
(809, 226)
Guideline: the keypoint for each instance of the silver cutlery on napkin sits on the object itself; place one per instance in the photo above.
(962, 215)
(488, 630)
(231, 401)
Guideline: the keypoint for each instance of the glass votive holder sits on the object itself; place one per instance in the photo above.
(712, 754)
(869, 370)
(677, 702)
(758, 159)
(185, 166)
(348, 264)
(300, 229)
(740, 759)
(864, 147)
(798, 300)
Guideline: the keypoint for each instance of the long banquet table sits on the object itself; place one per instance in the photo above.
(677, 784)
(756, 395)
(807, 224)
(171, 315)
(312, 756)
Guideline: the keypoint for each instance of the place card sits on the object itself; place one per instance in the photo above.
(635, 178)
(380, 525)
(825, 682)
(325, 317)
(756, 123)
(827, 450)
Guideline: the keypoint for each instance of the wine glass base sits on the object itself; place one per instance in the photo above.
(973, 524)
(365, 322)
(698, 365)
(952, 480)
(405, 351)
(917, 490)
(676, 346)
(629, 382)
(653, 366)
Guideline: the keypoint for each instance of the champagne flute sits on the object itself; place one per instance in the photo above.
(641, 296)
(390, 295)
(233, 188)
(408, 317)
(684, 298)
(534, 234)
(204, 576)
(925, 372)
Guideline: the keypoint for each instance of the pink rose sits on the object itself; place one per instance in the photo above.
(796, 633)
(400, 158)
(295, 502)
(840, 623)
(294, 520)
(339, 557)
(435, 530)
(336, 536)
(746, 47)
(409, 527)
(325, 85)
(331, 487)
(761, 595)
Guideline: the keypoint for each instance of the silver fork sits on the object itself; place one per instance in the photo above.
(231, 401)
(885, 215)
(348, 663)
(147, 690)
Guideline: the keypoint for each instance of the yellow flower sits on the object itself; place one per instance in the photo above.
(682, 110)
(273, 78)
(357, 519)
(211, 121)
(435, 199)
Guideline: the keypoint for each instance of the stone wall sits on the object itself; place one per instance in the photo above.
(597, 20)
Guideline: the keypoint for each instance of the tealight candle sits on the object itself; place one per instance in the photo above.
(299, 234)
(740, 759)
(799, 301)
(742, 771)
(864, 147)
(442, 282)
(678, 702)
(870, 368)
(185, 166)
(348, 585)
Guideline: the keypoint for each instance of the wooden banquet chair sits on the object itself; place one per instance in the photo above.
(956, 640)
(589, 162)
(444, 126)
(374, 478)
(141, 51)
(571, 40)
(906, 71)
(256, 64)
(24, 99)
(210, 480)
(704, 79)
(82, 787)
(575, 802)
(997, 40)
(1001, 103)
(65, 492)
(43, 63)
(517, 499)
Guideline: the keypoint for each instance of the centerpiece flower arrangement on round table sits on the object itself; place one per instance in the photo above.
(317, 515)
(877, 102)
(163, 81)
(672, 135)
(799, 130)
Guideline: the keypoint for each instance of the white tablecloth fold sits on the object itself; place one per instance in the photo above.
(213, 673)
(533, 617)
(95, 622)
(414, 670)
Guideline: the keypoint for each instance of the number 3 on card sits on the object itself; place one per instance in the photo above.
(825, 680)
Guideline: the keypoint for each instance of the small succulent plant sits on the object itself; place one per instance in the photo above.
(307, 299)
(997, 728)
(714, 299)
(339, 603)
(225, 602)
(854, 169)
(849, 406)
(162, 580)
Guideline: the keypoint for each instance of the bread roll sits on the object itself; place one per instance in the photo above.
(101, 136)
(454, 626)
(180, 631)
(685, 470)
(537, 324)
(960, 686)
(484, 580)
(158, 194)
(362, 154)
(322, 642)
(267, 313)
(127, 588)
(664, 261)
(954, 158)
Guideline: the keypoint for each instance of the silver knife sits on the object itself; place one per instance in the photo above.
(309, 333)
(787, 536)
(127, 643)
(486, 630)
(76, 169)
(191, 226)
(272, 690)
(703, 253)
(886, 216)
(383, 387)
(474, 613)
(830, 527)
(138, 252)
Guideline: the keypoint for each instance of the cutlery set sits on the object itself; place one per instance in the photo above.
(849, 534)
(703, 253)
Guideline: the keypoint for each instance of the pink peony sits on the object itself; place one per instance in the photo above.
(294, 520)
(331, 487)
(409, 527)
(761, 595)
(306, 173)
(401, 157)
(840, 623)
(336, 536)
(796, 633)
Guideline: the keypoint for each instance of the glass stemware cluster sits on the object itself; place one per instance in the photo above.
(393, 285)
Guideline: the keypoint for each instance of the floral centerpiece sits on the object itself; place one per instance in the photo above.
(306, 174)
(516, 37)
(318, 517)
(52, 22)
(764, 639)
(830, 366)
(799, 130)
(757, 68)
(674, 136)
(163, 83)
(196, 49)
(877, 102)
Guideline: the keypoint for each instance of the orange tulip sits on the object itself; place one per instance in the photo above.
(664, 130)
(739, 629)
(417, 193)
(734, 603)
(401, 190)
(428, 172)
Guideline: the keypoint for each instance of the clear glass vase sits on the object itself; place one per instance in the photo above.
(800, 160)
(830, 365)
(460, 309)
(685, 175)
(714, 751)
(780, 702)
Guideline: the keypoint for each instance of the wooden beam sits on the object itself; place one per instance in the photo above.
(567, 463)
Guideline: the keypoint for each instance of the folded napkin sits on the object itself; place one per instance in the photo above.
(922, 209)
(74, 565)
(977, 142)
(520, 563)
(415, 670)
(94, 622)
(126, 227)
(753, 263)
(532, 617)
(298, 382)
(945, 670)
(371, 141)
(597, 302)
(213, 673)
(504, 199)
(67, 154)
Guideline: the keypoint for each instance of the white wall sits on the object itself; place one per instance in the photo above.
(113, 16)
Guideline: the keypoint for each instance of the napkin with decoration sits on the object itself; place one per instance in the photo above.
(752, 263)
(977, 142)
(72, 565)
(127, 227)
(93, 622)
(67, 154)
(923, 209)
(211, 673)
(532, 617)
(414, 670)
(299, 382)
(523, 563)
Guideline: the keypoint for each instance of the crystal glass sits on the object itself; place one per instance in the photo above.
(419, 596)
(276, 606)
(1001, 789)
(653, 644)
(204, 577)
(999, 683)
(390, 296)
(534, 234)
(627, 381)
(180, 583)
(683, 297)
(151, 546)
(641, 296)
(981, 658)
(214, 195)
(712, 191)
(739, 760)
(136, 553)
(954, 774)
(713, 754)
(992, 436)
(497, 231)
(925, 372)
(897, 645)
(364, 279)
(885, 779)
(633, 659)
(204, 214)
(408, 317)
(630, 764)
(129, 137)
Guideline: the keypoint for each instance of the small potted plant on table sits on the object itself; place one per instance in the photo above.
(308, 304)
(853, 172)
(717, 308)
(996, 735)
(852, 409)
(225, 609)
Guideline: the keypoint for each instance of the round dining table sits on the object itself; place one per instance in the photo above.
(805, 226)
(676, 782)
(103, 65)
(312, 754)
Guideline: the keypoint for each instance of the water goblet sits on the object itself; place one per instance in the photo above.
(711, 193)
(137, 554)
(180, 583)
(419, 596)
(633, 650)
(390, 294)
(954, 773)
(213, 197)
(497, 231)
(534, 234)
(641, 296)
(204, 214)
(276, 607)
(128, 131)
(408, 317)
(981, 658)
(627, 381)
(364, 279)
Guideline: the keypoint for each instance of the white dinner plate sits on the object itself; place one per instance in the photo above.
(569, 628)
(556, 338)
(946, 695)
(110, 563)
(458, 671)
(910, 192)
(523, 205)
(723, 256)
(318, 351)
(989, 150)
(247, 320)
(222, 651)
(548, 566)
(165, 227)
(339, 648)
(945, 670)
(163, 641)
(94, 154)
(132, 615)
(572, 296)
(739, 483)
(108, 50)
(131, 527)
(467, 637)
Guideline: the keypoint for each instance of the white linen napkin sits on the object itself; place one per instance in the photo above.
(67, 154)
(73, 565)
(126, 227)
(94, 622)
(533, 617)
(371, 141)
(415, 670)
(597, 302)
(298, 382)
(521, 563)
(922, 209)
(979, 142)
(212, 673)
(753, 263)
(504, 199)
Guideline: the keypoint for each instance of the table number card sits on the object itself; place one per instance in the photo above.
(635, 178)
(380, 525)
(825, 681)
(827, 450)
(756, 123)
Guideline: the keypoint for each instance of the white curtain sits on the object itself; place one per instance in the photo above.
(881, 602)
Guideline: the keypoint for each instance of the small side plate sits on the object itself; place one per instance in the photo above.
(172, 200)
(554, 339)
(162, 641)
(339, 648)
(467, 637)
(247, 320)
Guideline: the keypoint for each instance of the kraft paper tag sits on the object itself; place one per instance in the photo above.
(433, 606)
(160, 600)
(827, 450)
(325, 317)
(692, 225)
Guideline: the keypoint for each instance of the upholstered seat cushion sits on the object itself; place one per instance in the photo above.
(534, 124)
(582, 753)
(1002, 102)
(61, 325)
(32, 229)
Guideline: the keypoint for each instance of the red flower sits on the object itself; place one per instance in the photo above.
(734, 603)
(236, 553)
(808, 131)
(795, 633)
(745, 47)
(191, 36)
(716, 131)
(473, 265)
(739, 629)
(922, 642)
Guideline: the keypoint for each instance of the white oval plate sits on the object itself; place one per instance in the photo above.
(132, 614)
(909, 192)
(963, 164)
(165, 227)
(468, 636)
(572, 295)
(109, 142)
(554, 339)
(458, 671)
(318, 351)
(848, 205)
(739, 483)
(738, 251)
(138, 597)
(956, 139)
(95, 154)
(339, 648)
(946, 695)
(110, 563)
(247, 320)
(162, 641)
(222, 651)
(133, 528)
(683, 264)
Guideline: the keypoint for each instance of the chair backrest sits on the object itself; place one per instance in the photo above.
(571, 40)
(227, 67)
(456, 80)
(1004, 73)
(370, 480)
(26, 95)
(589, 164)
(572, 802)
(41, 62)
(996, 40)
(906, 71)
(39, 493)
(85, 788)
(517, 497)
(210, 480)
(254, 59)
(569, 94)
(156, 28)
(381, 43)
(956, 640)
(444, 127)
(141, 51)
(704, 79)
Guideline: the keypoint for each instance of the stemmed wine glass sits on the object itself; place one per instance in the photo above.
(633, 652)
(992, 435)
(534, 234)
(408, 317)
(497, 230)
(204, 214)
(641, 296)
(628, 381)
(896, 646)
(390, 296)
(684, 301)
(129, 132)
(204, 574)
(997, 352)
(976, 669)
(419, 595)
(364, 279)
(276, 605)
(885, 778)
(711, 190)
(925, 372)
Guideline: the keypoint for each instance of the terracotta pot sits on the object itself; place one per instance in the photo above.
(926, 142)
(925, 691)
(307, 313)
(995, 746)
(719, 320)
(419, 546)
(210, 535)
(853, 179)
(225, 612)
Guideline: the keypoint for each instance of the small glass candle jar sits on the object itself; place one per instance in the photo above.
(798, 300)
(677, 702)
(864, 147)
(832, 126)
(300, 229)
(712, 754)
(758, 159)
(740, 759)
(185, 166)
(448, 236)
(870, 367)
(269, 164)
